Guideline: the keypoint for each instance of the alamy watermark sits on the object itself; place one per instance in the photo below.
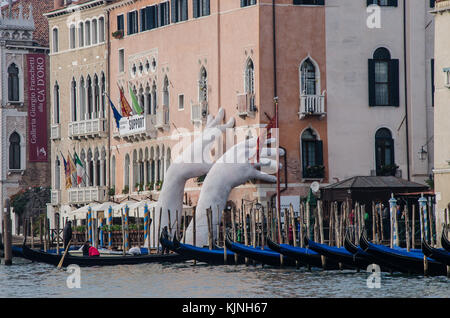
(374, 16)
(374, 279)
(74, 278)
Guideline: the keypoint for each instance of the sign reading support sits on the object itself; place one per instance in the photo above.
(132, 125)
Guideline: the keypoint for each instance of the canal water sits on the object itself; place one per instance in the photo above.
(25, 279)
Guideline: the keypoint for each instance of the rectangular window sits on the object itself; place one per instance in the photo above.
(179, 10)
(201, 8)
(151, 17)
(181, 102)
(382, 83)
(163, 14)
(132, 22)
(305, 2)
(120, 23)
(121, 60)
(143, 19)
(246, 3)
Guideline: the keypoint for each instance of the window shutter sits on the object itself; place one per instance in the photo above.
(394, 90)
(166, 13)
(304, 161)
(150, 16)
(319, 152)
(207, 8)
(184, 10)
(129, 22)
(242, 3)
(195, 6)
(143, 20)
(372, 83)
(157, 15)
(173, 9)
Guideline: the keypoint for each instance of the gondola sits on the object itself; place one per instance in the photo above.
(262, 256)
(439, 255)
(53, 259)
(305, 257)
(339, 255)
(408, 262)
(212, 257)
(445, 242)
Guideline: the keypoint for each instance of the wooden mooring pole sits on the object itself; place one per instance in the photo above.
(7, 234)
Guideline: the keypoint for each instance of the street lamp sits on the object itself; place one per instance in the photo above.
(423, 154)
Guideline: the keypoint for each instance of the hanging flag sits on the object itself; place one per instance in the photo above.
(125, 106)
(117, 116)
(67, 171)
(80, 169)
(72, 167)
(137, 108)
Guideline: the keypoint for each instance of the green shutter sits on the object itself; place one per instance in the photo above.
(394, 79)
(372, 83)
(319, 152)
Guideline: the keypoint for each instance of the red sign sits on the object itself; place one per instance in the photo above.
(37, 108)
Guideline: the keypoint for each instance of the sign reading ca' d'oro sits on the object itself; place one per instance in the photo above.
(37, 108)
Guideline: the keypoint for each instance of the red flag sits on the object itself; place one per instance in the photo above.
(126, 109)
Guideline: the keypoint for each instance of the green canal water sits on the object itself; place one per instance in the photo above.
(26, 279)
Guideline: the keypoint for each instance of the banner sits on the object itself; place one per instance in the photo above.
(37, 108)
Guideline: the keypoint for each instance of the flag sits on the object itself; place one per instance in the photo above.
(67, 171)
(125, 106)
(117, 116)
(137, 108)
(80, 169)
(72, 167)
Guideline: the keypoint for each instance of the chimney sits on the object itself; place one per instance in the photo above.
(58, 4)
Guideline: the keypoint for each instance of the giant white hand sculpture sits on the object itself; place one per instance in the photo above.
(231, 170)
(194, 161)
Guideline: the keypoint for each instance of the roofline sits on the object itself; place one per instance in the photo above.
(68, 9)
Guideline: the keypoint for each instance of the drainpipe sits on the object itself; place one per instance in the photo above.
(406, 91)
(108, 68)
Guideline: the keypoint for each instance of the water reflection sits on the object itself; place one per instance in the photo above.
(186, 280)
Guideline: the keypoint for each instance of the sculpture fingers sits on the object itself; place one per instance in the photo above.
(229, 124)
(258, 175)
(271, 153)
(217, 120)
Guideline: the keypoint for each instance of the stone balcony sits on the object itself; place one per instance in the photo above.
(312, 105)
(89, 128)
(246, 104)
(55, 132)
(87, 195)
(199, 112)
(137, 127)
(162, 117)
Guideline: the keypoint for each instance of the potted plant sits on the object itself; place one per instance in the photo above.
(112, 191)
(118, 34)
(159, 185)
(317, 171)
(150, 186)
(201, 179)
(126, 190)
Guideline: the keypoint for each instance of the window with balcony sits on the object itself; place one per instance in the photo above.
(384, 153)
(201, 8)
(383, 79)
(312, 155)
(308, 78)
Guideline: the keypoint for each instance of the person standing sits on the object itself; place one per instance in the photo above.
(67, 233)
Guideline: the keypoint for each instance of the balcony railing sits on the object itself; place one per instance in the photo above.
(246, 104)
(55, 132)
(137, 126)
(162, 117)
(56, 197)
(87, 195)
(199, 112)
(312, 105)
(314, 172)
(87, 128)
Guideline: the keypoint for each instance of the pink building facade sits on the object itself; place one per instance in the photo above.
(186, 59)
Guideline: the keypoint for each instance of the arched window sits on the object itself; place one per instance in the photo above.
(87, 32)
(89, 97)
(250, 77)
(81, 34)
(154, 99)
(308, 78)
(14, 151)
(57, 174)
(74, 99)
(96, 96)
(312, 155)
(113, 171)
(72, 36)
(103, 90)
(383, 79)
(55, 40)
(101, 29)
(56, 103)
(384, 153)
(203, 86)
(127, 171)
(141, 98)
(94, 32)
(148, 98)
(83, 115)
(13, 83)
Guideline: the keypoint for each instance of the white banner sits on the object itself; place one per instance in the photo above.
(132, 125)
